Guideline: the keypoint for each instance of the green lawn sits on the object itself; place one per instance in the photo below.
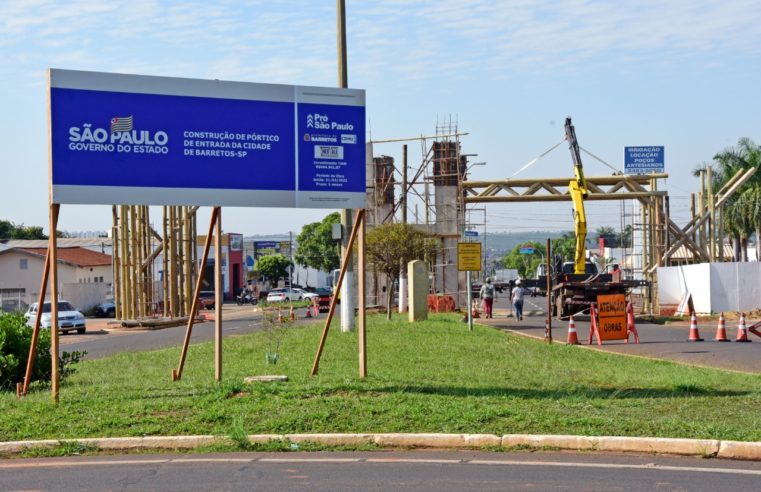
(426, 377)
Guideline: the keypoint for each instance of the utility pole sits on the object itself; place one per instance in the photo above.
(347, 219)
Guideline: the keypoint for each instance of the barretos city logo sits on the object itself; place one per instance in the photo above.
(121, 139)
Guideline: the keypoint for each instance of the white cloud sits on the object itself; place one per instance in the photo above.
(409, 41)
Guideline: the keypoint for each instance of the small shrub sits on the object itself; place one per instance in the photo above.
(15, 339)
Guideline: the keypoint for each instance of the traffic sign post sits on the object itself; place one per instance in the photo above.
(469, 259)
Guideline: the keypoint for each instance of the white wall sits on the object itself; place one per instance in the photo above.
(13, 277)
(85, 296)
(715, 287)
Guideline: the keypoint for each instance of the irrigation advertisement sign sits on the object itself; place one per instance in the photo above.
(132, 139)
(644, 160)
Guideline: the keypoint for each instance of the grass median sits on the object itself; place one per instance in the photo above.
(432, 376)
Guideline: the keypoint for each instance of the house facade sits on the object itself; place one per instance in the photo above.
(85, 277)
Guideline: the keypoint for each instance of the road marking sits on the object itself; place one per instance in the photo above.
(411, 461)
(309, 460)
(213, 460)
(54, 464)
(648, 466)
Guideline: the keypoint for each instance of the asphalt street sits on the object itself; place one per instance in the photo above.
(392, 470)
(104, 338)
(668, 342)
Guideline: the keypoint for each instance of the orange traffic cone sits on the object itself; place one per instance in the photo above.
(721, 330)
(742, 331)
(292, 314)
(573, 338)
(694, 335)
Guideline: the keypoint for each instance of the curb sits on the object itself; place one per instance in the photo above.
(651, 445)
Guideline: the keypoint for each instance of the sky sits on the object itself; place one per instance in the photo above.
(674, 73)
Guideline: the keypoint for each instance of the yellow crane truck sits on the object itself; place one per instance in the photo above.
(575, 289)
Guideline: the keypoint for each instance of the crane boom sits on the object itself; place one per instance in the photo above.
(578, 190)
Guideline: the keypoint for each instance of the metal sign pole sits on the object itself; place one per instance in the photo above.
(470, 301)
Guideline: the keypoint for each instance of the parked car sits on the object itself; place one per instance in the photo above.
(106, 309)
(279, 295)
(69, 319)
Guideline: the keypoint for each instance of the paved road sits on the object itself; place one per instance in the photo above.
(102, 339)
(657, 341)
(417, 470)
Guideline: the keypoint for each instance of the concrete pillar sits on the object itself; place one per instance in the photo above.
(402, 293)
(417, 290)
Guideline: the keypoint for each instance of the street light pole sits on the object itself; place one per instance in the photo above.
(347, 298)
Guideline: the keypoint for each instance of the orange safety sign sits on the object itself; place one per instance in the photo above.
(612, 314)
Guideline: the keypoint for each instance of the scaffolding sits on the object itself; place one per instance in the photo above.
(154, 272)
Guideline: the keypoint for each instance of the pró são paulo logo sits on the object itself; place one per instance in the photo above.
(322, 122)
(121, 138)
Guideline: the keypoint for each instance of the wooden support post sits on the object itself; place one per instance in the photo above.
(548, 331)
(165, 261)
(177, 373)
(218, 297)
(712, 211)
(362, 319)
(53, 251)
(116, 263)
(344, 263)
(36, 330)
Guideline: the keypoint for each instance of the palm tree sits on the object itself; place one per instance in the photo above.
(742, 212)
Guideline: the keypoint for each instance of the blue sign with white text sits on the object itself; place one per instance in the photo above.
(133, 139)
(644, 160)
(471, 233)
(171, 141)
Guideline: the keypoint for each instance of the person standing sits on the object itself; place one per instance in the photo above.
(487, 297)
(518, 294)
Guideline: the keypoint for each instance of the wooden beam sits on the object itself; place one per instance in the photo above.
(218, 291)
(362, 318)
(36, 329)
(55, 377)
(347, 256)
(177, 373)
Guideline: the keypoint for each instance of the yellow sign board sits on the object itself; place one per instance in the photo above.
(612, 315)
(468, 257)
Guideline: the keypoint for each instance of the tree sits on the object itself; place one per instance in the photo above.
(389, 247)
(523, 262)
(9, 230)
(274, 267)
(316, 246)
(565, 246)
(741, 213)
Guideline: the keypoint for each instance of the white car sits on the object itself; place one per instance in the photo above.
(307, 295)
(69, 319)
(279, 295)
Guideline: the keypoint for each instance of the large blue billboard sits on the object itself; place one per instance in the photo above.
(644, 159)
(127, 139)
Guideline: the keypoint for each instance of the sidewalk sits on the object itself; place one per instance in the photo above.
(668, 342)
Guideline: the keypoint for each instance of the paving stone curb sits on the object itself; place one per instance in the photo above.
(686, 447)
